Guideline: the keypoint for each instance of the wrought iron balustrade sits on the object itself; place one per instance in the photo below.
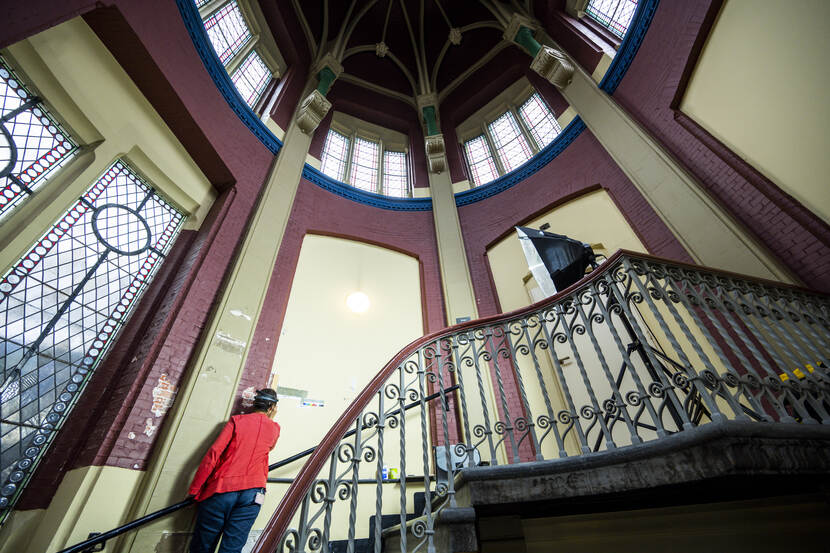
(639, 349)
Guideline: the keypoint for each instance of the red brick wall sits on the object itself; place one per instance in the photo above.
(650, 92)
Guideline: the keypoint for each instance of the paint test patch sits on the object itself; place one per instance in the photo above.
(163, 395)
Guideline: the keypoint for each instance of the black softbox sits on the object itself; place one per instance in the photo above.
(554, 257)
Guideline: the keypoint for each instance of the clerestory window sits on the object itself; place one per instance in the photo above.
(615, 15)
(32, 143)
(238, 49)
(63, 304)
(510, 140)
(367, 164)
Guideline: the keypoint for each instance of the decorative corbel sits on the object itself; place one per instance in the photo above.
(315, 106)
(549, 62)
(434, 141)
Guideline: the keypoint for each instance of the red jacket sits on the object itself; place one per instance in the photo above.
(238, 459)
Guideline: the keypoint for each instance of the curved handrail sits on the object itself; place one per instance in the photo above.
(278, 524)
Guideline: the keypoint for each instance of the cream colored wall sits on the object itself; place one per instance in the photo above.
(110, 118)
(88, 499)
(331, 353)
(592, 218)
(759, 88)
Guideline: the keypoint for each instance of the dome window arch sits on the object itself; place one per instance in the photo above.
(502, 143)
(373, 160)
(250, 57)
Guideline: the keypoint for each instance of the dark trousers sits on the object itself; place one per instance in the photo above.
(229, 516)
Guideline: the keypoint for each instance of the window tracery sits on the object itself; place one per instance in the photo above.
(615, 15)
(32, 143)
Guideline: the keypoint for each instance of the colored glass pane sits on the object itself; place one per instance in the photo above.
(539, 120)
(251, 78)
(480, 159)
(364, 173)
(511, 146)
(395, 181)
(335, 154)
(227, 31)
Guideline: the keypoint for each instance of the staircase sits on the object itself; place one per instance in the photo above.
(648, 385)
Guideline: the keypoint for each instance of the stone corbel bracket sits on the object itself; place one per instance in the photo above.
(553, 66)
(436, 153)
(311, 112)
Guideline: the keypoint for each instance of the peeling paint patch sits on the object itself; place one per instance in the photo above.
(163, 395)
(240, 313)
(248, 395)
(229, 343)
(149, 427)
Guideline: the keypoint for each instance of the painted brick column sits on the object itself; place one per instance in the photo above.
(208, 397)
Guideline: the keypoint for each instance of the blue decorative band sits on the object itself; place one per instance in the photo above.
(375, 200)
(630, 44)
(535, 163)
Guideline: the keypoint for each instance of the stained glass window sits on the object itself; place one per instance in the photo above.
(480, 159)
(395, 182)
(616, 15)
(200, 3)
(251, 77)
(32, 143)
(511, 146)
(364, 173)
(227, 31)
(63, 304)
(540, 120)
(335, 155)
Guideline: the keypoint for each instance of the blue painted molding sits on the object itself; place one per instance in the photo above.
(519, 174)
(196, 29)
(629, 46)
(375, 200)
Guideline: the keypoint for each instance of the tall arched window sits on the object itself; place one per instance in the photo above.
(510, 139)
(366, 163)
(32, 143)
(63, 304)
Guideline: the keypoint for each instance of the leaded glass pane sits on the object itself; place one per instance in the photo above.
(364, 174)
(480, 159)
(616, 15)
(227, 31)
(251, 78)
(540, 120)
(335, 152)
(395, 182)
(511, 146)
(200, 3)
(63, 304)
(32, 143)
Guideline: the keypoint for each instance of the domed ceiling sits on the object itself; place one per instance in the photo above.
(406, 48)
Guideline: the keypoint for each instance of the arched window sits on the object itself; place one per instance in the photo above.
(510, 139)
(32, 143)
(240, 50)
(615, 15)
(63, 304)
(367, 163)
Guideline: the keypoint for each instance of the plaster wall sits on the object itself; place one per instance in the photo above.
(758, 59)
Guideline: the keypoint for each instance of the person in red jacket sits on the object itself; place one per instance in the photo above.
(229, 485)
